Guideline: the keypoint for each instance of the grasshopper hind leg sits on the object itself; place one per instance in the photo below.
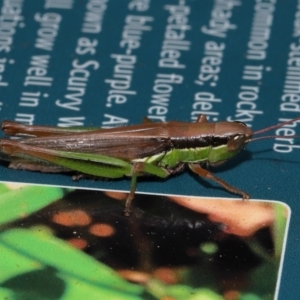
(37, 167)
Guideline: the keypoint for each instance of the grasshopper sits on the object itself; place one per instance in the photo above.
(159, 149)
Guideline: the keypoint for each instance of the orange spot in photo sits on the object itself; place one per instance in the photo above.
(232, 295)
(78, 243)
(102, 230)
(71, 218)
(166, 275)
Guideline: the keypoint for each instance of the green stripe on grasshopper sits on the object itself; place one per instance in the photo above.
(211, 154)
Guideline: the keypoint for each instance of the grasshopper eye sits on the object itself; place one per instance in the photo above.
(242, 123)
(236, 142)
(237, 137)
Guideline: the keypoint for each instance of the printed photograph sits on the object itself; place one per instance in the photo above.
(62, 243)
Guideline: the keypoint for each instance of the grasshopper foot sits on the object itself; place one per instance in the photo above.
(127, 212)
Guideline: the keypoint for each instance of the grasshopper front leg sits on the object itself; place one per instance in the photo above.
(196, 168)
(142, 168)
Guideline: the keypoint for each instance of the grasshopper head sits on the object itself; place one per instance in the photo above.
(229, 139)
(237, 135)
(240, 138)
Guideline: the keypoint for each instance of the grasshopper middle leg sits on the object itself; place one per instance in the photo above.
(196, 168)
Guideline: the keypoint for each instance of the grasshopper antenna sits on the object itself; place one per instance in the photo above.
(275, 127)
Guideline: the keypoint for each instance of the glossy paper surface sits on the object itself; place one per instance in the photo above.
(111, 63)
